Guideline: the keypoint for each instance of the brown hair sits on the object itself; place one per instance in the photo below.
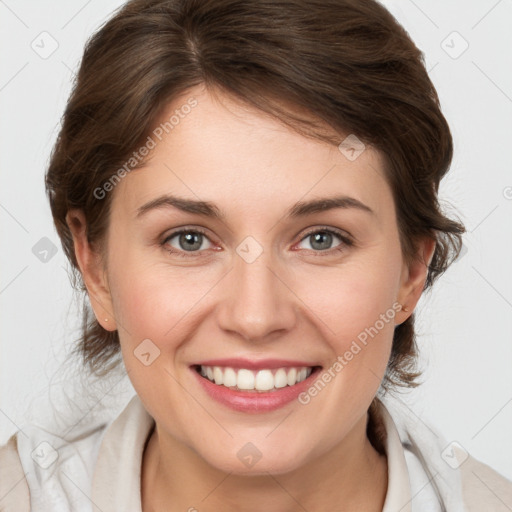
(346, 64)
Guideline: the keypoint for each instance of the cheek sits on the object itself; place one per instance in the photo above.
(155, 300)
(352, 298)
(355, 306)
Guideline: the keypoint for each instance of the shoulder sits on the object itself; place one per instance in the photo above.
(460, 481)
(14, 492)
(41, 471)
(44, 471)
(482, 486)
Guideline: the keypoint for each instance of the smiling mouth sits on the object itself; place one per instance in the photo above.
(256, 381)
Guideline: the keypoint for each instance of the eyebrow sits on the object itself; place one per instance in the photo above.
(208, 209)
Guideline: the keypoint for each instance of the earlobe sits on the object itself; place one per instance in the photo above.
(92, 270)
(414, 277)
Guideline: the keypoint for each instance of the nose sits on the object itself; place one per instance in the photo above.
(257, 302)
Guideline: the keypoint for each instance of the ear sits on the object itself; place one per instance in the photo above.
(414, 276)
(92, 269)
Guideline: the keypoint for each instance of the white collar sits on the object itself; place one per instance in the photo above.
(117, 474)
(398, 497)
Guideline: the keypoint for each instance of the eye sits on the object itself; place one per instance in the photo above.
(186, 240)
(321, 240)
(193, 241)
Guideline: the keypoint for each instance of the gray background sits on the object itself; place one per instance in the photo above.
(465, 326)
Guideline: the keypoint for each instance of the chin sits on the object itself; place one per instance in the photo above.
(249, 461)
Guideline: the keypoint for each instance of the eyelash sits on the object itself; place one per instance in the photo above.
(346, 241)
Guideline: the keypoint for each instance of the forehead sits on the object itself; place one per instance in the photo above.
(211, 147)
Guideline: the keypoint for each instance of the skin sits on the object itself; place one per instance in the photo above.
(294, 301)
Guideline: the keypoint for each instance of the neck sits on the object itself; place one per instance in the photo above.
(351, 476)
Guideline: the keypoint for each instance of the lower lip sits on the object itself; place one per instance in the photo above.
(255, 402)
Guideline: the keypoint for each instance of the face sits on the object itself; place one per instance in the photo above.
(265, 293)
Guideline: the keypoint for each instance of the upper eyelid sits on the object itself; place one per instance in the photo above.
(184, 229)
(336, 231)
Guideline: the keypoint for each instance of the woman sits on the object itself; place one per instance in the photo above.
(248, 193)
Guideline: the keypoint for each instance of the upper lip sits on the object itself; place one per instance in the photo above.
(252, 364)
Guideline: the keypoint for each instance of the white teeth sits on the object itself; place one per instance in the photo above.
(280, 379)
(248, 380)
(264, 380)
(292, 377)
(245, 379)
(302, 375)
(230, 378)
(217, 375)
